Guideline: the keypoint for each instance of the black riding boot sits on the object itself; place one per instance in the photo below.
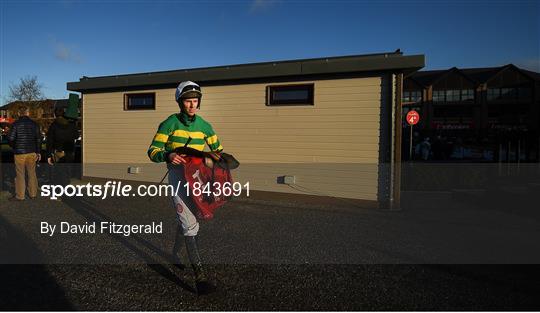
(201, 280)
(176, 260)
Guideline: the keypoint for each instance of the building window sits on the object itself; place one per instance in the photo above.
(289, 95)
(49, 112)
(452, 95)
(140, 101)
(493, 93)
(467, 94)
(438, 95)
(412, 96)
(406, 96)
(508, 93)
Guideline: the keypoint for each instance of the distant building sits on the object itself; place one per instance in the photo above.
(41, 111)
(491, 112)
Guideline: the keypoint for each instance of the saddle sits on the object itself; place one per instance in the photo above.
(208, 175)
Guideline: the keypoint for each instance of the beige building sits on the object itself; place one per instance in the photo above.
(328, 122)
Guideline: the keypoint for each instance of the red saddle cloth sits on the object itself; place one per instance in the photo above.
(214, 189)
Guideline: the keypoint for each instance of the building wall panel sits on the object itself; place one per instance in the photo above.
(318, 144)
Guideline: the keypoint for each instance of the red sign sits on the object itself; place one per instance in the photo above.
(413, 117)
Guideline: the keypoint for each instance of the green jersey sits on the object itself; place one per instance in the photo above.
(176, 130)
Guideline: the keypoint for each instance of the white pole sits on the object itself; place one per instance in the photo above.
(410, 146)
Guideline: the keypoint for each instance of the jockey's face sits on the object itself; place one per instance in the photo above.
(190, 106)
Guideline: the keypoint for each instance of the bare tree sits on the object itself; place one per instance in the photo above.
(28, 89)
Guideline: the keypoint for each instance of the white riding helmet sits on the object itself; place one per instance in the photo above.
(188, 89)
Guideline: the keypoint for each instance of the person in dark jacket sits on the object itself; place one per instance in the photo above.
(61, 138)
(25, 139)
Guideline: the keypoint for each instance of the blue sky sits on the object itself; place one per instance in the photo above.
(60, 41)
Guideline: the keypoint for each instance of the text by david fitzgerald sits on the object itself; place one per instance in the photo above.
(102, 228)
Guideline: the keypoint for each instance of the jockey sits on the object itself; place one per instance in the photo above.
(176, 131)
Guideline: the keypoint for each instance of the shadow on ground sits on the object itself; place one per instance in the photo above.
(26, 287)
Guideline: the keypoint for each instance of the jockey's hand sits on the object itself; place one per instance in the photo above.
(176, 159)
(215, 156)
